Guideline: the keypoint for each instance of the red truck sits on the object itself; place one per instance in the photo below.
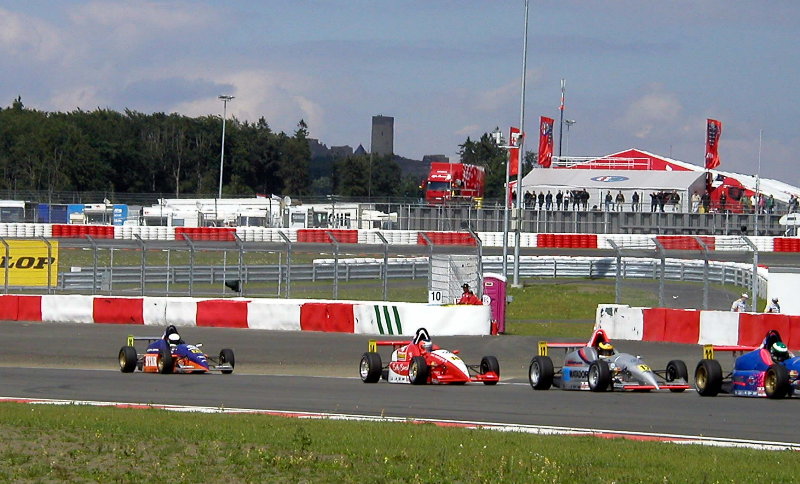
(453, 182)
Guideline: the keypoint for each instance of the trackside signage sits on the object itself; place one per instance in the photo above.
(28, 262)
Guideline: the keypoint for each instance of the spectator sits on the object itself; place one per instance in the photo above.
(548, 201)
(585, 196)
(541, 200)
(620, 200)
(566, 200)
(705, 201)
(577, 199)
(559, 199)
(740, 305)
(675, 200)
(608, 201)
(747, 206)
(792, 203)
(762, 203)
(695, 202)
(770, 204)
(662, 199)
(653, 201)
(773, 306)
(468, 297)
(723, 203)
(528, 200)
(635, 202)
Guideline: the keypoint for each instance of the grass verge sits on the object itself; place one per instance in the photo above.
(90, 444)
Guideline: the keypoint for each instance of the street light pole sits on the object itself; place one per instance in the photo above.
(521, 158)
(225, 100)
(758, 184)
(569, 123)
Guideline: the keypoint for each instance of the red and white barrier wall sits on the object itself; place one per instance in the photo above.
(693, 326)
(361, 317)
(395, 237)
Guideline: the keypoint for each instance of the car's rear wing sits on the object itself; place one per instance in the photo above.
(708, 350)
(373, 344)
(544, 346)
(131, 339)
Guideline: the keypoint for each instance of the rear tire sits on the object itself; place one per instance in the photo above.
(127, 359)
(708, 378)
(599, 376)
(226, 356)
(164, 361)
(776, 382)
(418, 371)
(370, 367)
(676, 370)
(540, 373)
(490, 363)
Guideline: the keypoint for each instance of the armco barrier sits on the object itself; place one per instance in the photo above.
(274, 314)
(695, 327)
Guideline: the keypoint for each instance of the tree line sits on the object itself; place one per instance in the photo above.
(133, 152)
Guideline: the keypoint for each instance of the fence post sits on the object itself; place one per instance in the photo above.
(288, 263)
(662, 255)
(335, 243)
(618, 275)
(705, 270)
(754, 277)
(49, 266)
(385, 267)
(94, 262)
(5, 264)
(142, 267)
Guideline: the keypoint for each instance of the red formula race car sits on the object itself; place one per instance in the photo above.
(419, 361)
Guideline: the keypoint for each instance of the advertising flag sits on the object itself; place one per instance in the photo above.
(546, 141)
(713, 132)
(513, 152)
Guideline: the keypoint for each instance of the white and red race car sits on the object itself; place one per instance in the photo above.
(419, 361)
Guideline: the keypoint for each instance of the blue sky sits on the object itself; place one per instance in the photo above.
(639, 74)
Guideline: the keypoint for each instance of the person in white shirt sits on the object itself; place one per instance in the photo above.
(773, 306)
(740, 305)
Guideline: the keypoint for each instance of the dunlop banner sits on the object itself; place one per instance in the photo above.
(28, 262)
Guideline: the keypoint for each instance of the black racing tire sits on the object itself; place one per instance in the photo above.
(164, 361)
(226, 356)
(676, 370)
(776, 382)
(708, 378)
(540, 373)
(490, 363)
(418, 371)
(370, 367)
(127, 359)
(599, 377)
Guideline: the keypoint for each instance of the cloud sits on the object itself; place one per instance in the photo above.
(28, 37)
(652, 114)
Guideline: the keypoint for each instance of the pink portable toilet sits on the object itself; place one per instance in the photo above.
(494, 290)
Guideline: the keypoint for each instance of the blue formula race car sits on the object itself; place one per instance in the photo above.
(769, 370)
(169, 353)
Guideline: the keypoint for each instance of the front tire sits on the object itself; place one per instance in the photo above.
(708, 378)
(418, 371)
(370, 367)
(226, 356)
(164, 361)
(599, 376)
(676, 370)
(490, 363)
(127, 359)
(540, 373)
(776, 382)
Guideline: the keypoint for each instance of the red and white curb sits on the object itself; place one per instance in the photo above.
(501, 427)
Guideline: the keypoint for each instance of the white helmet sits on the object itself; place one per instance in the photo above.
(428, 346)
(174, 338)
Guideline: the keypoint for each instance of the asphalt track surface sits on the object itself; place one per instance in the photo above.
(317, 372)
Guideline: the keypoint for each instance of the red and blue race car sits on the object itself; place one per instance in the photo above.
(168, 353)
(419, 361)
(769, 370)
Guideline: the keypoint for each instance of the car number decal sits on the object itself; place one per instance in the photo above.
(644, 368)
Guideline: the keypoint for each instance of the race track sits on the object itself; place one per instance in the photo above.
(317, 372)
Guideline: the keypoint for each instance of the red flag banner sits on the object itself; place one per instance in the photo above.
(713, 132)
(546, 141)
(513, 153)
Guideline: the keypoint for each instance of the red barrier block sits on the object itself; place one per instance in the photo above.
(754, 326)
(222, 313)
(682, 325)
(29, 308)
(653, 320)
(9, 308)
(792, 339)
(118, 310)
(327, 317)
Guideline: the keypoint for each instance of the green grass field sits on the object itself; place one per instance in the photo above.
(43, 443)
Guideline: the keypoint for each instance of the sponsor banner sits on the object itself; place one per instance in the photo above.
(713, 133)
(28, 262)
(513, 153)
(546, 141)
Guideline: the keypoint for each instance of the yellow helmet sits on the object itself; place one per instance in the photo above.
(605, 349)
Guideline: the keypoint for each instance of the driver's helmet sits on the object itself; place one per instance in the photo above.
(605, 349)
(779, 351)
(174, 339)
(427, 345)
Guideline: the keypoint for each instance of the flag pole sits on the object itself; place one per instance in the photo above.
(521, 157)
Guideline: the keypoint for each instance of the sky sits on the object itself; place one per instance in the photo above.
(639, 74)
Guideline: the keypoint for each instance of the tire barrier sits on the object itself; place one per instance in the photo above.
(367, 317)
(398, 237)
(692, 326)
